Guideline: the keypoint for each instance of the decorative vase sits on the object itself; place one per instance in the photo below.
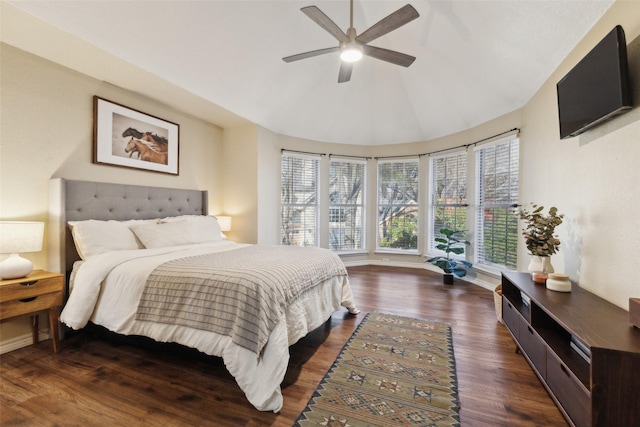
(447, 279)
(540, 263)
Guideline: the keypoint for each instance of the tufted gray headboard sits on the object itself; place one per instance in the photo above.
(81, 200)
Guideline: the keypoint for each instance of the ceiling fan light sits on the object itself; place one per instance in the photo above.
(351, 53)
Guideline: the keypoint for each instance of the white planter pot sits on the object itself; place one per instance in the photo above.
(540, 263)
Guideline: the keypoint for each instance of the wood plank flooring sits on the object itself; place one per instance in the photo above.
(101, 380)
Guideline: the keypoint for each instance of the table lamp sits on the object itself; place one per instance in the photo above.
(18, 237)
(225, 222)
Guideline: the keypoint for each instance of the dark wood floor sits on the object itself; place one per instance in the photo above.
(99, 380)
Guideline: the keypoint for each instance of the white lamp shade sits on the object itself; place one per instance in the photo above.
(16, 237)
(225, 222)
(20, 236)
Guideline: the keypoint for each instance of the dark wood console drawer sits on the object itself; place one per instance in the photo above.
(511, 317)
(534, 347)
(569, 391)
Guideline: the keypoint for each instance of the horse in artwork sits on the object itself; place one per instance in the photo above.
(161, 143)
(146, 152)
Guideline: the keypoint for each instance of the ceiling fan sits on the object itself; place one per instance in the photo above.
(353, 46)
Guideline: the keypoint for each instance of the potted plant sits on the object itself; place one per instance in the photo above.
(452, 242)
(539, 236)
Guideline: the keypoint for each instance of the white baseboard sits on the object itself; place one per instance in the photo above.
(20, 341)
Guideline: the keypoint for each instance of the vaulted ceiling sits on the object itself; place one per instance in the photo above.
(476, 60)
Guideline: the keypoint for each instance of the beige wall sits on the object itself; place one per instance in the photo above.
(241, 183)
(46, 131)
(268, 170)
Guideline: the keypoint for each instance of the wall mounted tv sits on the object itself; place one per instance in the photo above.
(597, 88)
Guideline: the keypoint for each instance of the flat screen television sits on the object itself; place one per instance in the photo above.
(597, 88)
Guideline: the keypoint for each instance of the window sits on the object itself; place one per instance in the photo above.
(496, 224)
(398, 205)
(448, 194)
(299, 200)
(337, 215)
(346, 209)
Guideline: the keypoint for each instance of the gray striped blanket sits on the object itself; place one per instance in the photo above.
(241, 293)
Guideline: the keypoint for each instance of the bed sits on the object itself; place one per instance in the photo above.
(144, 262)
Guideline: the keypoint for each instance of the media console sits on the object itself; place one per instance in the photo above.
(583, 348)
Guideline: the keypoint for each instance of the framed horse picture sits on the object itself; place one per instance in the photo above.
(129, 138)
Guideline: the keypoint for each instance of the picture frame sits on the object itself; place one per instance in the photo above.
(129, 138)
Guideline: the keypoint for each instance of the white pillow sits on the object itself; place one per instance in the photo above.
(177, 231)
(180, 218)
(93, 237)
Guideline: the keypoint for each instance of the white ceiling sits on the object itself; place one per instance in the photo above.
(476, 60)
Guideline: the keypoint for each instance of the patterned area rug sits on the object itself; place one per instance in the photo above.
(393, 371)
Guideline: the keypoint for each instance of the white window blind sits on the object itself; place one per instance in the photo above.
(496, 230)
(299, 200)
(398, 191)
(448, 194)
(347, 201)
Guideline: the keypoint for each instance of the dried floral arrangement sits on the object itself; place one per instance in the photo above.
(539, 233)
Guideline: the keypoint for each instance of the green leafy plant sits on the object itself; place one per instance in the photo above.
(452, 243)
(538, 233)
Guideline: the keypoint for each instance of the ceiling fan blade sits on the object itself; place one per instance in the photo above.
(396, 20)
(325, 22)
(388, 55)
(344, 75)
(310, 54)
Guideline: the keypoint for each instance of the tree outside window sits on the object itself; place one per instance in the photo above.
(398, 188)
(346, 210)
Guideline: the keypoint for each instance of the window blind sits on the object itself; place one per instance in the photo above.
(347, 204)
(448, 194)
(299, 200)
(496, 223)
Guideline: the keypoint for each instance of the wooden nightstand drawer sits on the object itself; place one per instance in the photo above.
(30, 288)
(30, 305)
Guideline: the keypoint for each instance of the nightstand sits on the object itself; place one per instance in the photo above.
(39, 291)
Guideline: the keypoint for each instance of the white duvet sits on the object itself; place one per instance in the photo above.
(107, 287)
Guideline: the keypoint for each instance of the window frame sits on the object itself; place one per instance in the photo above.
(432, 209)
(508, 207)
(315, 204)
(417, 207)
(343, 208)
